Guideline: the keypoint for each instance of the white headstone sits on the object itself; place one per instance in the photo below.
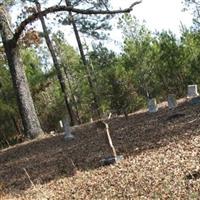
(152, 105)
(171, 99)
(109, 116)
(61, 124)
(192, 91)
(67, 130)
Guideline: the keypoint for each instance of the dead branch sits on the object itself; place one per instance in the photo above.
(29, 178)
(102, 125)
(58, 8)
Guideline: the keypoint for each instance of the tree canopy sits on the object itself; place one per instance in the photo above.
(151, 64)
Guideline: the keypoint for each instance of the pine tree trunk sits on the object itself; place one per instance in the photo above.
(56, 64)
(85, 63)
(27, 110)
(73, 97)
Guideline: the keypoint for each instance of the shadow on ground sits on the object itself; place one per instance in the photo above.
(53, 158)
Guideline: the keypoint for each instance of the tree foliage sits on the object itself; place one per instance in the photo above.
(150, 65)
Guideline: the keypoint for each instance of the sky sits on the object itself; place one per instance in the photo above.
(158, 14)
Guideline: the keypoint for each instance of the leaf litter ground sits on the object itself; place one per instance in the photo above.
(161, 160)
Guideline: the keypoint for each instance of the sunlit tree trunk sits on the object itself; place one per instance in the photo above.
(72, 95)
(56, 64)
(85, 63)
(27, 110)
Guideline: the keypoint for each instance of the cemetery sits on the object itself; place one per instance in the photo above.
(134, 145)
(97, 104)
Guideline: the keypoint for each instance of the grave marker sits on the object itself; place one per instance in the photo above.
(195, 100)
(171, 99)
(192, 91)
(152, 105)
(61, 124)
(67, 130)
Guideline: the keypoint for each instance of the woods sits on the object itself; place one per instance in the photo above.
(90, 113)
(27, 111)
(92, 81)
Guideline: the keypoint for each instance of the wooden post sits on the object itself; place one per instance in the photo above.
(102, 125)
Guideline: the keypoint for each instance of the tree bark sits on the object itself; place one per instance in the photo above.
(56, 64)
(85, 63)
(27, 110)
(25, 102)
(72, 95)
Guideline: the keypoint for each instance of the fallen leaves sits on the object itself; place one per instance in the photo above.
(161, 161)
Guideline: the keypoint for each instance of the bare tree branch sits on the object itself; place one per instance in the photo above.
(134, 4)
(54, 9)
(60, 2)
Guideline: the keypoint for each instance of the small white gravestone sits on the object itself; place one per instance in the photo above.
(152, 105)
(192, 91)
(171, 99)
(67, 130)
(61, 124)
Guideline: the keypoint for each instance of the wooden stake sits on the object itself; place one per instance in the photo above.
(29, 178)
(109, 139)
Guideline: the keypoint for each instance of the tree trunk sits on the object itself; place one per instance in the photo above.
(56, 64)
(73, 97)
(85, 63)
(27, 110)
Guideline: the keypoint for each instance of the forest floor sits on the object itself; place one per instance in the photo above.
(161, 160)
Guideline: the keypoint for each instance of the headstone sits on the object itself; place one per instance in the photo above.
(152, 105)
(109, 116)
(67, 130)
(171, 99)
(192, 91)
(61, 124)
(195, 100)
